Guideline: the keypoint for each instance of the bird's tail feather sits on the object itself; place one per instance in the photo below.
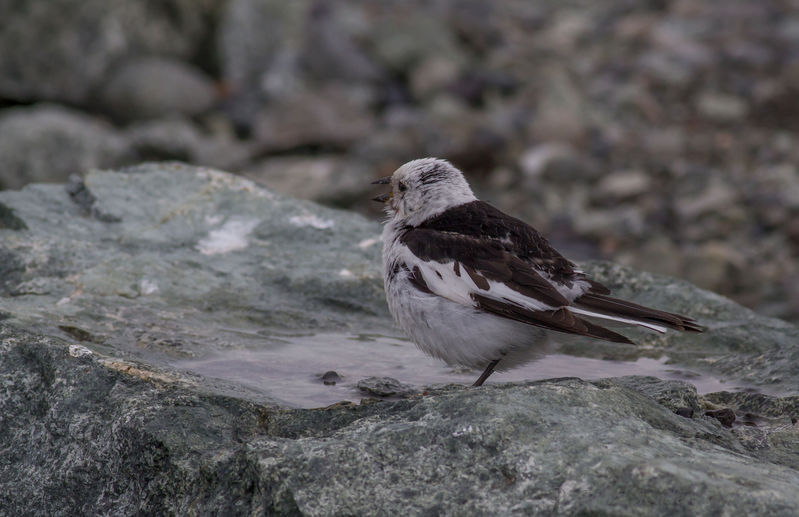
(609, 308)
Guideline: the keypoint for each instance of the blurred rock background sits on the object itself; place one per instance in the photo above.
(660, 134)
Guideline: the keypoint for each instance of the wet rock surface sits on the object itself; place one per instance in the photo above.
(105, 436)
(105, 284)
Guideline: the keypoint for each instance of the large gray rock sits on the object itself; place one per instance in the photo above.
(99, 436)
(152, 87)
(49, 143)
(114, 289)
(177, 138)
(178, 251)
(258, 47)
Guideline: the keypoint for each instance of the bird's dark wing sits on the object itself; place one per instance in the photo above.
(454, 266)
(482, 221)
(482, 274)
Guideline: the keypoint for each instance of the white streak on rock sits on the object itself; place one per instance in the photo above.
(230, 237)
(366, 243)
(464, 431)
(312, 220)
(79, 351)
(147, 286)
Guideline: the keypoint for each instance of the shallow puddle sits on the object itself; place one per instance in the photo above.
(291, 369)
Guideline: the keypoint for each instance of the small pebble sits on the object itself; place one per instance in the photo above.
(385, 387)
(330, 378)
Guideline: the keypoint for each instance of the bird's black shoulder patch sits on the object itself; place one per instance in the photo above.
(483, 260)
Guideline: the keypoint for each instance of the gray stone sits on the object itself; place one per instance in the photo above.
(179, 139)
(384, 387)
(258, 42)
(330, 50)
(713, 198)
(174, 250)
(9, 220)
(155, 87)
(328, 179)
(251, 34)
(332, 117)
(433, 75)
(675, 395)
(721, 107)
(562, 113)
(554, 160)
(402, 39)
(330, 378)
(711, 264)
(62, 49)
(49, 143)
(662, 255)
(677, 41)
(623, 184)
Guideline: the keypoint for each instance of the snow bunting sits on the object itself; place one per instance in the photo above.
(478, 288)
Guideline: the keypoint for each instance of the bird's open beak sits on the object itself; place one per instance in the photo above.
(382, 198)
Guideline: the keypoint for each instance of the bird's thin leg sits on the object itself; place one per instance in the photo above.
(488, 371)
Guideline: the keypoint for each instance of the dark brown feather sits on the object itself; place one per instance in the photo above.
(596, 287)
(561, 320)
(417, 279)
(479, 281)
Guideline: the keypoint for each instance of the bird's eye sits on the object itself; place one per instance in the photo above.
(402, 187)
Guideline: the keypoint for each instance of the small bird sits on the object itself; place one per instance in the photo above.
(476, 287)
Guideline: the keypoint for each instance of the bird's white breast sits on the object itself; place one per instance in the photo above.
(457, 333)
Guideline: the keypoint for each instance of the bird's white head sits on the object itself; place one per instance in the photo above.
(423, 188)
